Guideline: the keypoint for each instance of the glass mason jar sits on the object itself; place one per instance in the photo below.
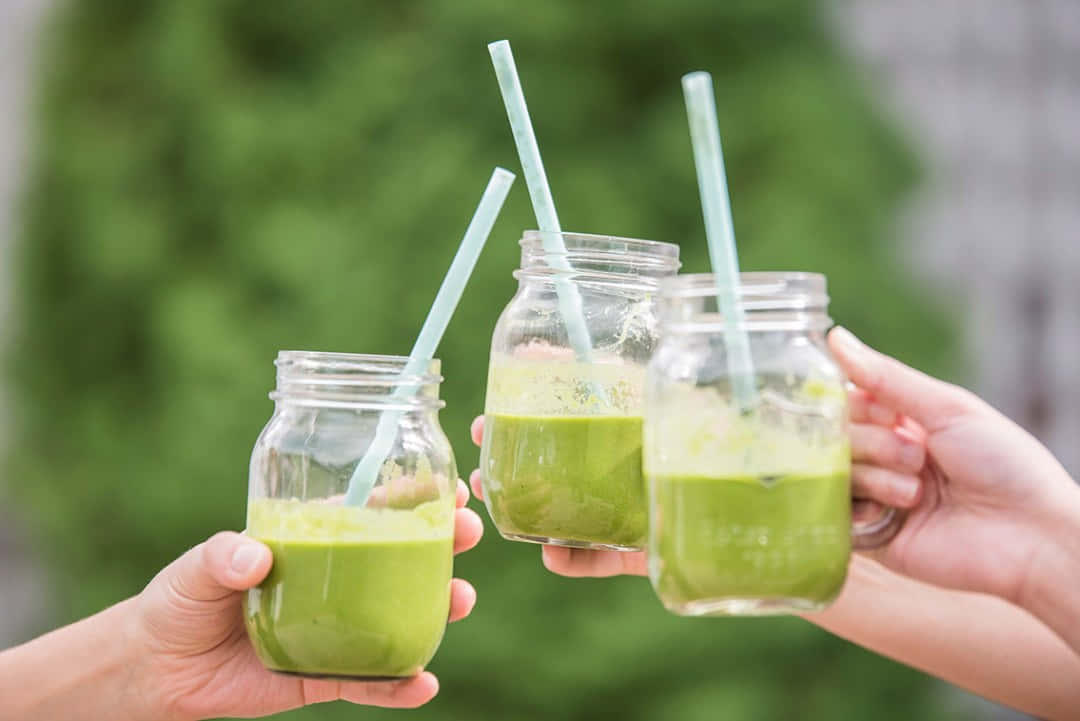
(561, 459)
(359, 590)
(749, 508)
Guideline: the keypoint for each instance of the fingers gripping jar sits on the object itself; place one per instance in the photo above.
(561, 457)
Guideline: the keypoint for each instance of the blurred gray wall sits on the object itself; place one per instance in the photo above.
(990, 89)
(20, 581)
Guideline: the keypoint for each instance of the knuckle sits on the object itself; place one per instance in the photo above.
(962, 399)
(884, 447)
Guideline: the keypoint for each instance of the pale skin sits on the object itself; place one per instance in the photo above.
(179, 652)
(981, 586)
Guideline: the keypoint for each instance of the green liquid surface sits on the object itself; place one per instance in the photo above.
(574, 479)
(353, 592)
(781, 539)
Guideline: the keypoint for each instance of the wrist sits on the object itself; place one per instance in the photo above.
(113, 676)
(1048, 583)
(137, 689)
(81, 671)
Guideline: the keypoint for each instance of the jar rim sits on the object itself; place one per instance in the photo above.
(752, 284)
(769, 300)
(374, 368)
(598, 261)
(586, 242)
(354, 380)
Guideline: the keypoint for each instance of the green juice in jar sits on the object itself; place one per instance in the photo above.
(356, 593)
(729, 538)
(575, 479)
(560, 464)
(750, 513)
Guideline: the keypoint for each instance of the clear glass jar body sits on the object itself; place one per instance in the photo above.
(561, 458)
(362, 590)
(749, 508)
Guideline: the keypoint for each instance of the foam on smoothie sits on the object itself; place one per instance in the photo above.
(541, 380)
(702, 433)
(294, 520)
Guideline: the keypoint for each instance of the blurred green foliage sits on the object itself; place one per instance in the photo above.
(218, 179)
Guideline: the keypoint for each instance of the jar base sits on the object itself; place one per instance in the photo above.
(746, 607)
(568, 543)
(337, 676)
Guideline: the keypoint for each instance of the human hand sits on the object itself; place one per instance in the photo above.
(886, 462)
(194, 657)
(993, 498)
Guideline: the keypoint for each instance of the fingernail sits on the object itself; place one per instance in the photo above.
(847, 340)
(245, 558)
(912, 455)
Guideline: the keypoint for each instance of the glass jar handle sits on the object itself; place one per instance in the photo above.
(875, 533)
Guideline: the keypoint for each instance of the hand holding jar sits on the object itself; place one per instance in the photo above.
(357, 591)
(998, 513)
(981, 497)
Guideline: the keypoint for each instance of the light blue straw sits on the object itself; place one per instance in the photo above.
(540, 192)
(446, 300)
(720, 230)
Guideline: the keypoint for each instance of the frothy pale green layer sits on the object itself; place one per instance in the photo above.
(294, 520)
(533, 383)
(698, 432)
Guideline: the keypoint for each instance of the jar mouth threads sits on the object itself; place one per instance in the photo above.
(599, 258)
(770, 300)
(787, 289)
(355, 380)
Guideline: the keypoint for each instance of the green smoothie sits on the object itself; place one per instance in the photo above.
(354, 592)
(575, 480)
(736, 545)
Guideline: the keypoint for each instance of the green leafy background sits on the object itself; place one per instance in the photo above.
(214, 180)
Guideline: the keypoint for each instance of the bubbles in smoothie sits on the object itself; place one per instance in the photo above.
(700, 431)
(540, 379)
